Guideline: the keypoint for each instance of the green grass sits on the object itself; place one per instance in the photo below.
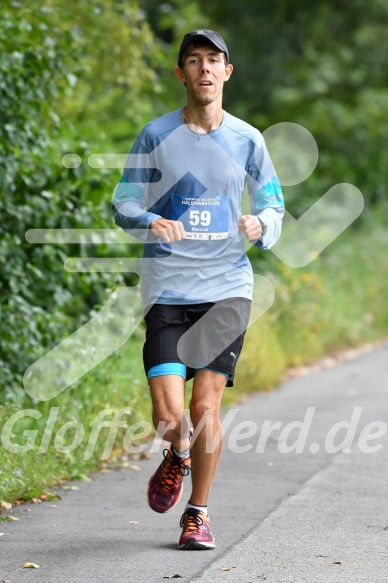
(337, 302)
(115, 384)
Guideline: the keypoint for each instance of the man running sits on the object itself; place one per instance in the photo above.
(181, 193)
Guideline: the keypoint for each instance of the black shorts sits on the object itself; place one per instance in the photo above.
(208, 335)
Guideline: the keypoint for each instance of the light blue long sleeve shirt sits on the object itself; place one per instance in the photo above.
(198, 179)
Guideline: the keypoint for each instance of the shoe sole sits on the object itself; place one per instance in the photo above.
(194, 545)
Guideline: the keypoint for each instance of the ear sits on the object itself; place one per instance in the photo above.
(228, 72)
(180, 75)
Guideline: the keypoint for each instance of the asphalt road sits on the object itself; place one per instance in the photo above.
(318, 514)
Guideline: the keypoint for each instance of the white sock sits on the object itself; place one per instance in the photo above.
(201, 508)
(182, 454)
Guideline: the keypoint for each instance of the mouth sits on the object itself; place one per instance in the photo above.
(205, 84)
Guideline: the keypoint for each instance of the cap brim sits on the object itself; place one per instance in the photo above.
(200, 37)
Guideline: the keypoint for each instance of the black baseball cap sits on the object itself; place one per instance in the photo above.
(213, 36)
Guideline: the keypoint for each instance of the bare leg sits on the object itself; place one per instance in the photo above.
(204, 412)
(167, 393)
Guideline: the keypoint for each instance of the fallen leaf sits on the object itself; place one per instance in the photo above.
(49, 496)
(36, 500)
(53, 506)
(324, 556)
(6, 505)
(385, 527)
(5, 581)
(104, 471)
(11, 518)
(30, 566)
(133, 522)
(337, 562)
(173, 576)
(226, 568)
(140, 456)
(70, 488)
(2, 534)
(128, 466)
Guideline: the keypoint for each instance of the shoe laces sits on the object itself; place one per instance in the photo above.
(174, 470)
(191, 520)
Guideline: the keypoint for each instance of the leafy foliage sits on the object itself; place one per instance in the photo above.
(321, 64)
(118, 83)
(40, 302)
(29, 67)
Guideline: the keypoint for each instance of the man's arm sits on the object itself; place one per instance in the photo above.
(131, 192)
(267, 204)
(130, 200)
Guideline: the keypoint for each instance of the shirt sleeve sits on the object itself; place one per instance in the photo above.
(131, 194)
(266, 196)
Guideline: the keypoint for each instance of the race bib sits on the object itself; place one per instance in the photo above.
(203, 218)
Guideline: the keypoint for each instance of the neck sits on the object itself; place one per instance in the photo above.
(203, 118)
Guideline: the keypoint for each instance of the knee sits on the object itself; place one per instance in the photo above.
(166, 419)
(203, 409)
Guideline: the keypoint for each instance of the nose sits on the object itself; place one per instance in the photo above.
(204, 67)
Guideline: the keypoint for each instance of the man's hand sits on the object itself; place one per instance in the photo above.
(169, 230)
(250, 226)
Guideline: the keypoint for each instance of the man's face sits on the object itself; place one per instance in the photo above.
(204, 72)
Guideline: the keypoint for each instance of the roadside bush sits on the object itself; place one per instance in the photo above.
(39, 301)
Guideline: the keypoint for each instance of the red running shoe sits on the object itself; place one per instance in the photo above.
(165, 486)
(196, 534)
